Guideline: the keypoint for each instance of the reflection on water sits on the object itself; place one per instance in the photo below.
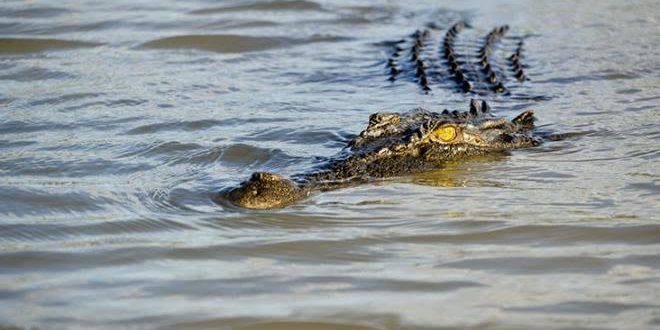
(464, 173)
(232, 43)
(28, 45)
(121, 120)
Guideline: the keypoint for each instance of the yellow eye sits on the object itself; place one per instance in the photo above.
(446, 133)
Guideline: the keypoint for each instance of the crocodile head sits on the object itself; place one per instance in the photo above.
(394, 144)
(436, 137)
(264, 190)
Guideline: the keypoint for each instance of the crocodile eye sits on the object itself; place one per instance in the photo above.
(445, 133)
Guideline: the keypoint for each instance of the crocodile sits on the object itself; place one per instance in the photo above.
(393, 144)
(397, 144)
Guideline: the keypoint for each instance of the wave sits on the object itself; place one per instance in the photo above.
(278, 5)
(230, 43)
(35, 45)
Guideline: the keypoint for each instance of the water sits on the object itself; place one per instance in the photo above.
(121, 119)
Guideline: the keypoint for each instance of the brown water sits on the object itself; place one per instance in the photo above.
(120, 119)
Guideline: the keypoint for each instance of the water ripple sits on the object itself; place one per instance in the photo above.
(60, 99)
(328, 137)
(35, 12)
(35, 74)
(48, 28)
(116, 134)
(31, 45)
(313, 284)
(53, 167)
(23, 202)
(21, 232)
(230, 43)
(177, 125)
(584, 307)
(277, 5)
(548, 265)
(196, 125)
(547, 235)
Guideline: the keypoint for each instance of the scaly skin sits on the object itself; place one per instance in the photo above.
(393, 144)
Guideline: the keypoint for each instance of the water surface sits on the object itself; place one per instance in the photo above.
(121, 119)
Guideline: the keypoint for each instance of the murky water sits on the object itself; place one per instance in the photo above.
(121, 119)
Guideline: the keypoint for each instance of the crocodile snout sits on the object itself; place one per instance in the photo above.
(264, 190)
